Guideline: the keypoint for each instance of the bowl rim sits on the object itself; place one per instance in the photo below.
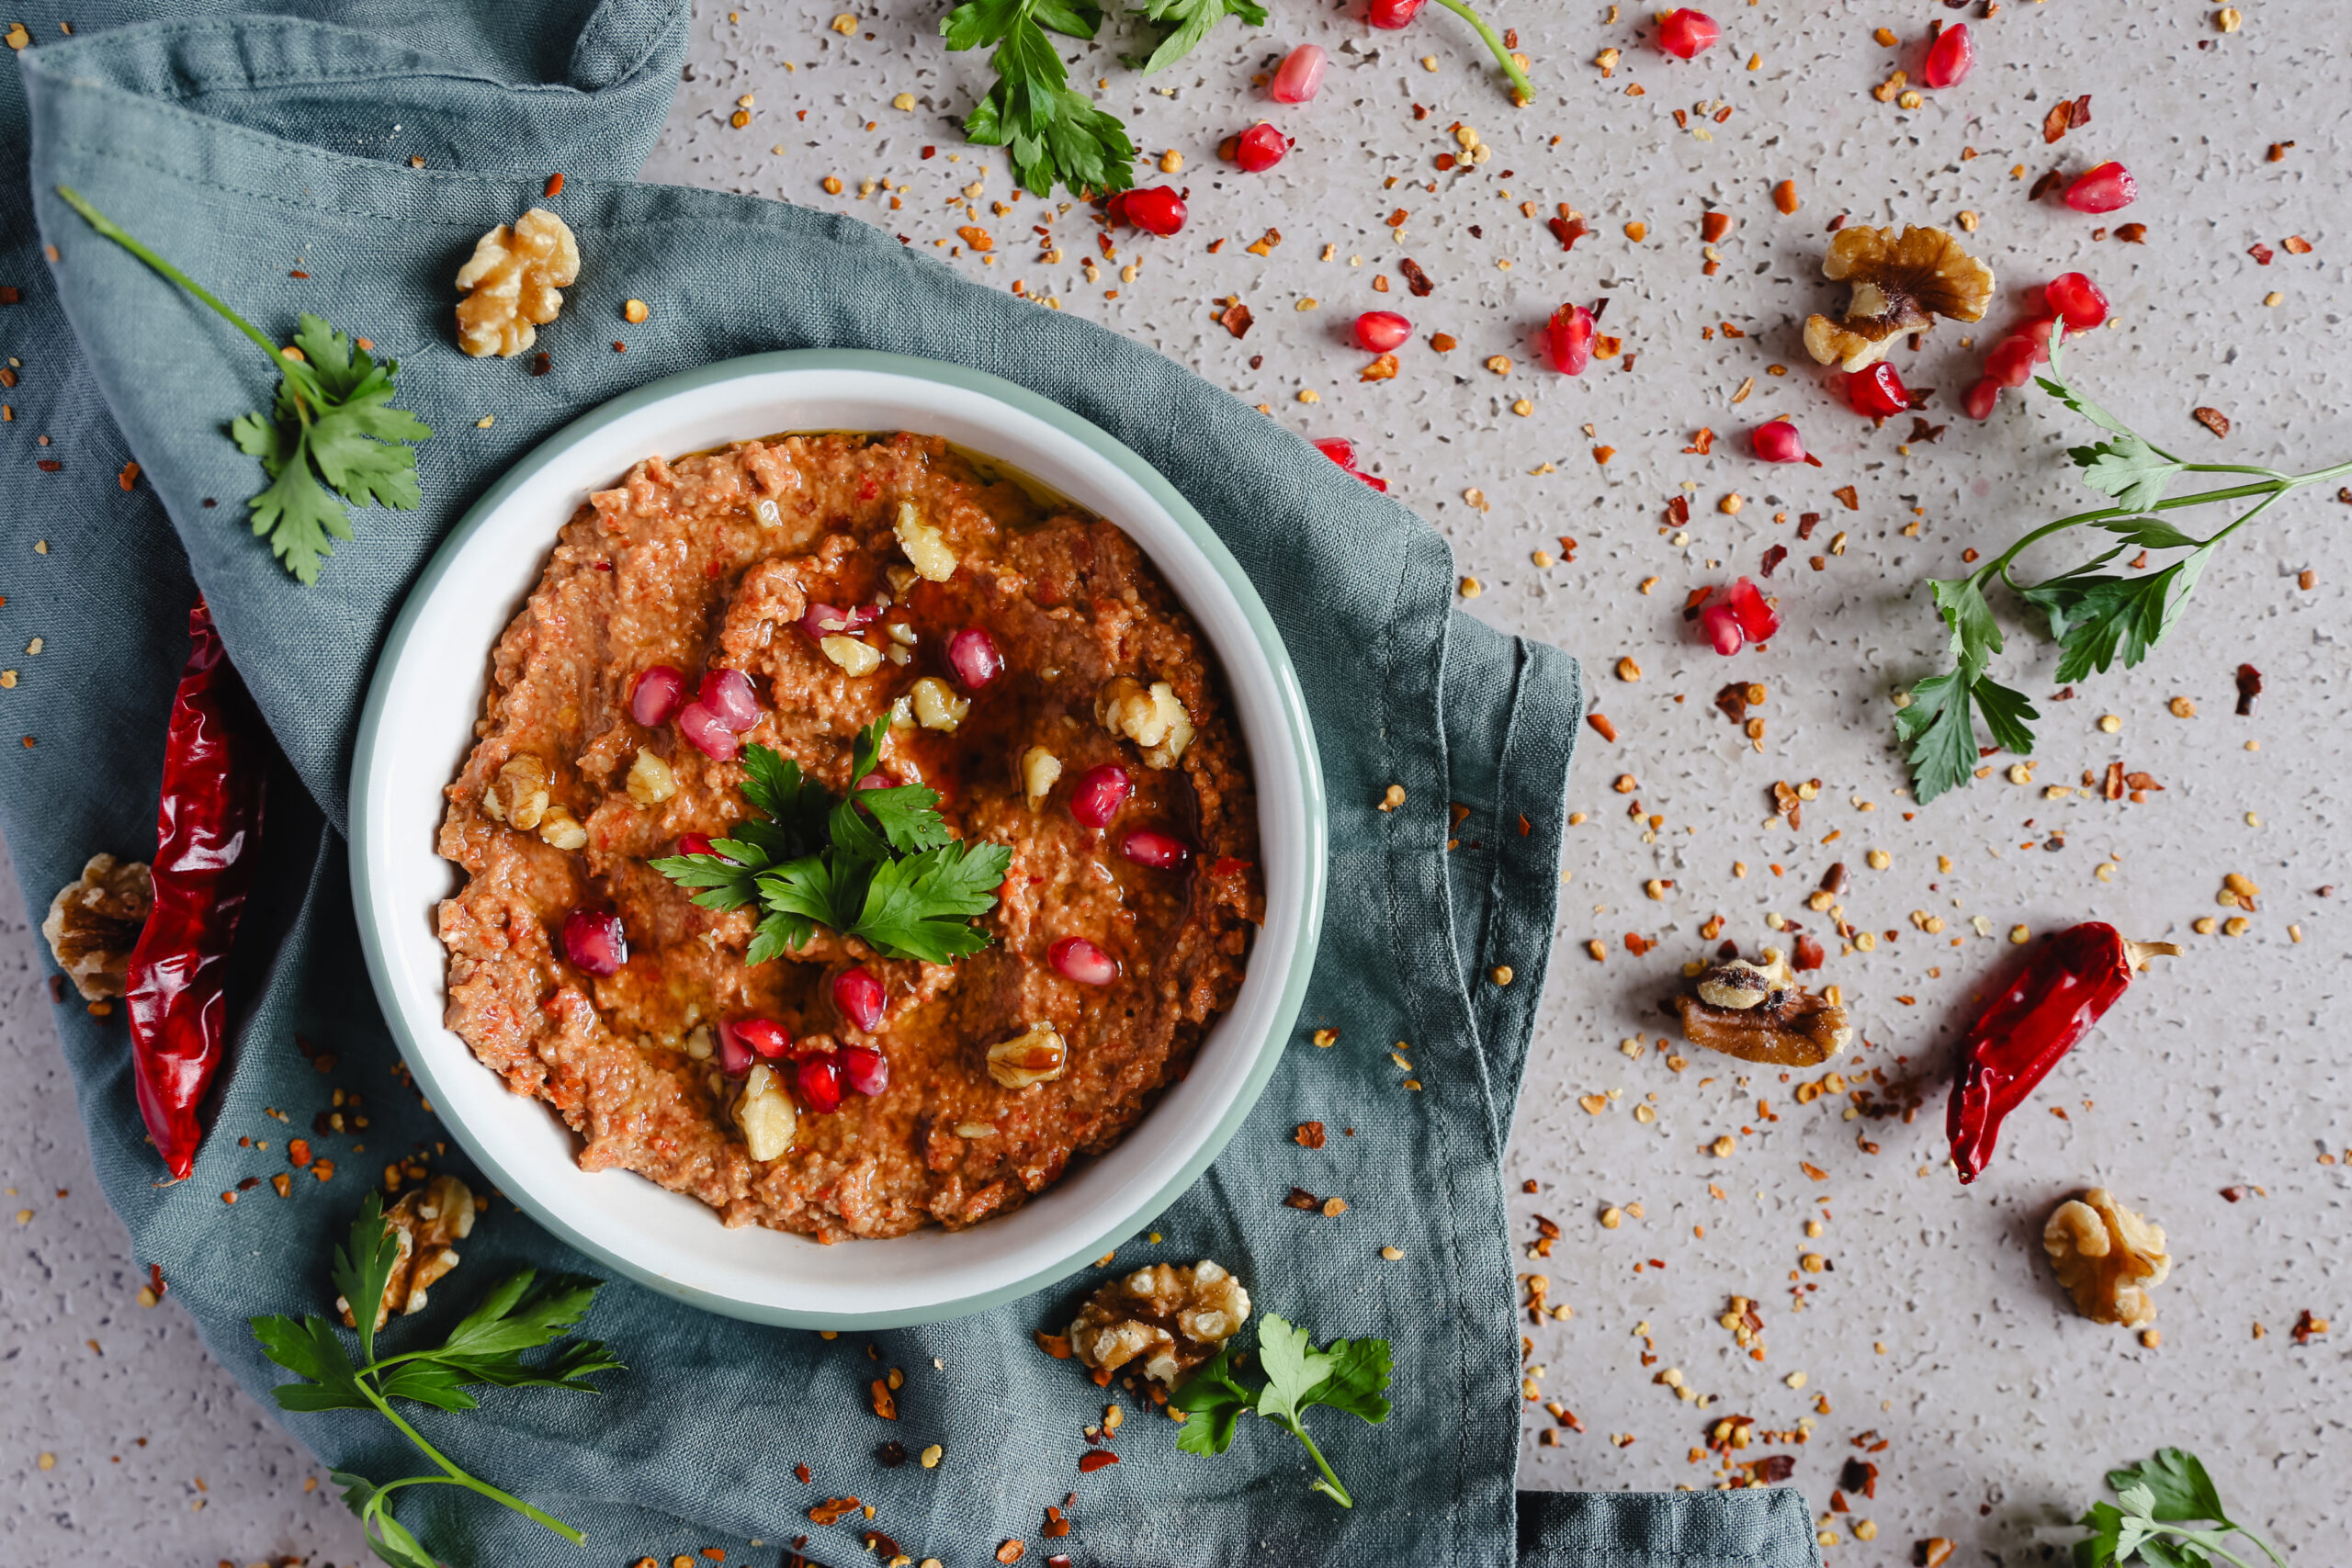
(1288, 701)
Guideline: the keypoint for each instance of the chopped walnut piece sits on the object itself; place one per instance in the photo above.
(925, 546)
(426, 1221)
(1902, 283)
(94, 922)
(937, 707)
(651, 782)
(1036, 1055)
(1781, 1022)
(1172, 1318)
(518, 795)
(765, 1113)
(1039, 769)
(560, 829)
(1153, 719)
(2107, 1257)
(515, 278)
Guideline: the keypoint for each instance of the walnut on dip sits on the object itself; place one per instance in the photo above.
(514, 284)
(1902, 283)
(1759, 1013)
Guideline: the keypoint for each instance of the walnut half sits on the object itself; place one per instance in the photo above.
(2107, 1257)
(1171, 1316)
(1760, 1013)
(1902, 283)
(514, 284)
(94, 922)
(426, 1221)
(1153, 719)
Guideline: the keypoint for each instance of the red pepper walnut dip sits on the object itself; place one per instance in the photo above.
(787, 594)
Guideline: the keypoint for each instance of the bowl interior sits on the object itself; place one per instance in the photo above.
(419, 724)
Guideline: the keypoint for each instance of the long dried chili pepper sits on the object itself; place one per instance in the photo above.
(2051, 1005)
(207, 830)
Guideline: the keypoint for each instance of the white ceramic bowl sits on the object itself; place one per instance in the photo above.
(418, 725)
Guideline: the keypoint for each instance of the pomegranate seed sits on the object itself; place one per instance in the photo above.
(1377, 332)
(2104, 189)
(2012, 360)
(1259, 147)
(1721, 628)
(819, 1083)
(831, 620)
(1877, 391)
(1299, 77)
(1684, 33)
(876, 780)
(1158, 851)
(2078, 299)
(1777, 443)
(734, 1055)
(1757, 616)
(1343, 452)
(1392, 14)
(695, 844)
(1154, 208)
(973, 655)
(767, 1039)
(1099, 793)
(1949, 57)
(594, 941)
(867, 1070)
(1075, 958)
(860, 997)
(656, 695)
(727, 693)
(1567, 339)
(1979, 400)
(707, 733)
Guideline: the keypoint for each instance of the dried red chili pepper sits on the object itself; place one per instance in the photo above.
(207, 825)
(2046, 1010)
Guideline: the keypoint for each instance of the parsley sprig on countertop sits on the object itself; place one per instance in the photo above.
(1347, 1374)
(1052, 131)
(2094, 615)
(2165, 1500)
(332, 422)
(486, 1347)
(878, 865)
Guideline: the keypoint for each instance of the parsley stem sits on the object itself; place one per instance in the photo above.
(458, 1477)
(1330, 1486)
(115, 232)
(1521, 89)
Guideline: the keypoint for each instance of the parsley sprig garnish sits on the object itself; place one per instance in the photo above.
(1347, 1374)
(332, 422)
(1185, 23)
(878, 865)
(485, 1348)
(1052, 131)
(2093, 615)
(2165, 1503)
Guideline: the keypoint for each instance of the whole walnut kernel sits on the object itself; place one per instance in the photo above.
(2107, 1257)
(515, 278)
(94, 922)
(1036, 1055)
(426, 1221)
(1171, 1316)
(1154, 719)
(1902, 283)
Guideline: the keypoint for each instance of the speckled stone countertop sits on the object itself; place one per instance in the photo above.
(1933, 1323)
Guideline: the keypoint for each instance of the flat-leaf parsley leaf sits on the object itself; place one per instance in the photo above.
(331, 437)
(878, 865)
(1349, 1375)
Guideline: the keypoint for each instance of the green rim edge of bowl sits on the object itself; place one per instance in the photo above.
(1287, 696)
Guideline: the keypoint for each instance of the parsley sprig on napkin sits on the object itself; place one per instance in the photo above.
(2094, 615)
(485, 1348)
(1349, 1375)
(331, 437)
(878, 865)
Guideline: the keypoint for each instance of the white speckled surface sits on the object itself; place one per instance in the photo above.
(1936, 1324)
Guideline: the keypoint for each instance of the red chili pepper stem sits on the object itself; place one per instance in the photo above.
(2046, 1010)
(207, 825)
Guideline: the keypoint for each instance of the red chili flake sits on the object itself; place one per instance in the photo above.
(931, 152)
(1847, 498)
(1236, 319)
(1808, 955)
(875, 1541)
(1568, 227)
(298, 1152)
(1638, 945)
(1445, 163)
(1415, 279)
(2261, 253)
(2249, 688)
(2308, 1328)
(831, 1510)
(9, 295)
(1309, 1134)
(2131, 233)
(249, 1183)
(1691, 603)
(1057, 1524)
(1703, 442)
(1677, 509)
(1525, 827)
(1090, 1462)
(1601, 727)
(541, 364)
(1302, 1200)
(800, 1474)
(1807, 524)
(2211, 419)
(1774, 556)
(155, 1279)
(2296, 246)
(48, 465)
(2045, 184)
(129, 477)
(555, 184)
(1733, 701)
(2113, 786)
